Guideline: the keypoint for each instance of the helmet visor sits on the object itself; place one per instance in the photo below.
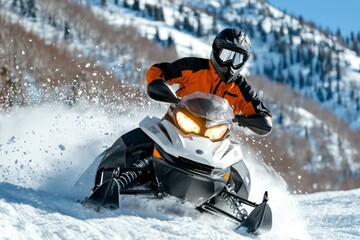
(236, 59)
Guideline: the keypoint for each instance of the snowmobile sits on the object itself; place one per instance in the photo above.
(188, 154)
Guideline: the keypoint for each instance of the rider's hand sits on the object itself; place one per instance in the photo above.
(260, 123)
(239, 119)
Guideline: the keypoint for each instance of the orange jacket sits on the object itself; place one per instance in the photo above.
(198, 74)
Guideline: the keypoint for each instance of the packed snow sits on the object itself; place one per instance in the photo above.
(44, 150)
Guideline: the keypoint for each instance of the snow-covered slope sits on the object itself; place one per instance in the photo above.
(44, 150)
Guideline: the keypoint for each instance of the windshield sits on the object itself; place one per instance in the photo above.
(209, 106)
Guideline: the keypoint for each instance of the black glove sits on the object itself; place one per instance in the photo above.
(240, 120)
(160, 90)
(260, 123)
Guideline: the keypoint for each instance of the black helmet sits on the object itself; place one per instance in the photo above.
(230, 51)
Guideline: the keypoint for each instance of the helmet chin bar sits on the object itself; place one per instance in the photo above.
(235, 73)
(219, 69)
(226, 72)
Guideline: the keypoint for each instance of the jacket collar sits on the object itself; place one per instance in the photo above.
(214, 76)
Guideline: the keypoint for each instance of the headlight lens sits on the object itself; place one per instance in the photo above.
(217, 132)
(186, 123)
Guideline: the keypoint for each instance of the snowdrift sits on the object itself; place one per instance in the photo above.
(44, 151)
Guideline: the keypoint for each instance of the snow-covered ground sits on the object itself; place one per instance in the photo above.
(44, 150)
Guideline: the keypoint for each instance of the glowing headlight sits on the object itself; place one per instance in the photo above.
(186, 123)
(217, 132)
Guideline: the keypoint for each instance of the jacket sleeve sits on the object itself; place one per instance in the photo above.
(175, 72)
(251, 103)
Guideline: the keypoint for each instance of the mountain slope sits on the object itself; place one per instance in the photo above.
(100, 53)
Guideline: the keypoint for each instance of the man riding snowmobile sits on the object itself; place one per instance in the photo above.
(203, 166)
(219, 75)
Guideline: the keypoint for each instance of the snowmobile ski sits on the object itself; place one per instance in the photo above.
(259, 221)
(107, 196)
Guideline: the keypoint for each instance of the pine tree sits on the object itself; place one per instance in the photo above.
(352, 36)
(309, 81)
(311, 68)
(14, 3)
(329, 93)
(159, 14)
(291, 56)
(200, 29)
(284, 60)
(51, 21)
(291, 79)
(306, 133)
(299, 54)
(22, 8)
(136, 5)
(149, 10)
(178, 24)
(157, 35)
(187, 25)
(355, 47)
(272, 70)
(263, 35)
(310, 57)
(301, 20)
(301, 80)
(339, 36)
(66, 31)
(320, 94)
(227, 3)
(281, 118)
(280, 78)
(170, 41)
(338, 70)
(31, 10)
(339, 101)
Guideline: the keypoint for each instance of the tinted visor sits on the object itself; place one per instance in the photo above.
(227, 56)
